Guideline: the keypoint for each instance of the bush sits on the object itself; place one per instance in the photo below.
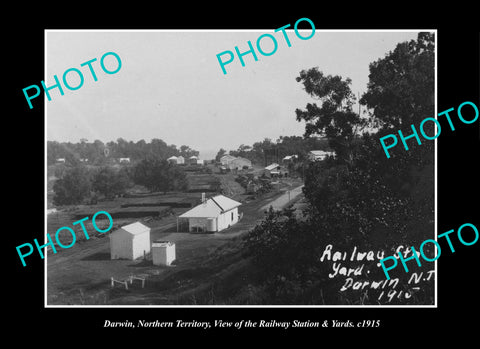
(73, 188)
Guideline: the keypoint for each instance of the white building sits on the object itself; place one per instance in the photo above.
(319, 155)
(173, 159)
(179, 160)
(275, 170)
(232, 162)
(130, 241)
(239, 163)
(212, 215)
(289, 158)
(163, 252)
(226, 160)
(124, 160)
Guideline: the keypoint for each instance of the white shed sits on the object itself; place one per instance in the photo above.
(179, 160)
(130, 241)
(227, 159)
(163, 252)
(213, 215)
(173, 159)
(315, 155)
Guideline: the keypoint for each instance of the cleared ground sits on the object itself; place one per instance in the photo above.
(81, 274)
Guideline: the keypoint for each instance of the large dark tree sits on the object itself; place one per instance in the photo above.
(334, 117)
(220, 153)
(158, 175)
(110, 182)
(364, 200)
(73, 187)
(401, 85)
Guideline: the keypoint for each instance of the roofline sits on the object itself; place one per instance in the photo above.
(216, 203)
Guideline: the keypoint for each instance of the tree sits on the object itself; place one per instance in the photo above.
(335, 118)
(73, 188)
(158, 175)
(110, 182)
(220, 153)
(400, 93)
(368, 200)
(187, 152)
(401, 85)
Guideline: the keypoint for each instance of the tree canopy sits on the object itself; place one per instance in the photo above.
(99, 153)
(360, 198)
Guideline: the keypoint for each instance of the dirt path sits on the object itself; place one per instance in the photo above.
(283, 200)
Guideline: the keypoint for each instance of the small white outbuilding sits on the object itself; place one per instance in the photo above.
(130, 241)
(163, 252)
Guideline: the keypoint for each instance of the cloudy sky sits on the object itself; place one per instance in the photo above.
(171, 86)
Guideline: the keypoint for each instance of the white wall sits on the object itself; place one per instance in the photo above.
(141, 243)
(225, 220)
(120, 245)
(126, 245)
(163, 255)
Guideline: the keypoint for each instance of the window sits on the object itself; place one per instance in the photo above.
(232, 216)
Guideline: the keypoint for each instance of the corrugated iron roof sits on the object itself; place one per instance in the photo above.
(211, 208)
(271, 167)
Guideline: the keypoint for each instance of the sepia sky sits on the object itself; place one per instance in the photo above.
(171, 86)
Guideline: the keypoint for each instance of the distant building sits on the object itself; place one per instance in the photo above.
(192, 160)
(60, 160)
(212, 215)
(239, 163)
(130, 241)
(173, 159)
(272, 167)
(275, 170)
(319, 155)
(289, 158)
(163, 252)
(177, 160)
(235, 163)
(227, 159)
(124, 160)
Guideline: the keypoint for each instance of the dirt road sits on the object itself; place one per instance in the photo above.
(285, 199)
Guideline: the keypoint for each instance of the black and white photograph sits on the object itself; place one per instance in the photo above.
(195, 175)
(258, 182)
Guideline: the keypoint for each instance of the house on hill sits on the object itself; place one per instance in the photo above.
(239, 163)
(235, 163)
(319, 155)
(194, 160)
(289, 158)
(275, 170)
(130, 241)
(212, 215)
(172, 159)
(226, 160)
(177, 160)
